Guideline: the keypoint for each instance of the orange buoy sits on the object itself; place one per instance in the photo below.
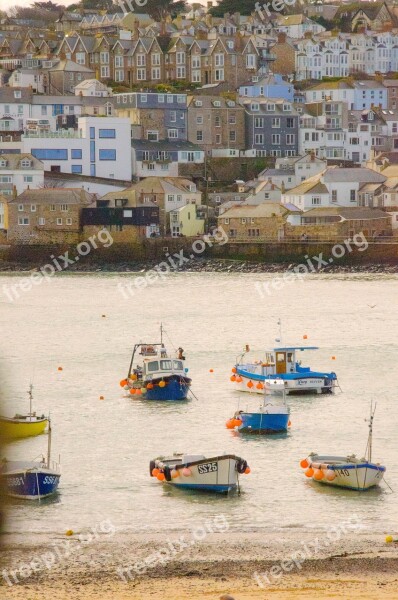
(160, 476)
(304, 463)
(330, 475)
(174, 474)
(101, 398)
(233, 370)
(155, 472)
(319, 474)
(60, 369)
(309, 472)
(247, 470)
(333, 358)
(133, 377)
(138, 391)
(230, 424)
(232, 378)
(123, 382)
(250, 384)
(162, 384)
(150, 386)
(211, 370)
(305, 337)
(237, 422)
(239, 379)
(259, 385)
(132, 391)
(289, 423)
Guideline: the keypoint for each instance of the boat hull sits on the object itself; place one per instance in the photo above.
(31, 485)
(217, 474)
(350, 474)
(175, 389)
(293, 383)
(15, 429)
(263, 423)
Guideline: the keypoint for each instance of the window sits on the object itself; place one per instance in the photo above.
(316, 200)
(276, 122)
(141, 60)
(76, 154)
(219, 60)
(152, 136)
(276, 138)
(64, 208)
(219, 75)
(180, 58)
(180, 72)
(199, 120)
(334, 195)
(80, 58)
(77, 169)
(156, 59)
(352, 196)
(69, 221)
(5, 179)
(41, 221)
(290, 139)
(259, 138)
(289, 123)
(155, 74)
(52, 207)
(173, 116)
(104, 58)
(105, 72)
(118, 61)
(107, 133)
(232, 119)
(232, 136)
(59, 221)
(217, 121)
(218, 138)
(253, 232)
(23, 220)
(21, 207)
(48, 154)
(172, 134)
(107, 154)
(199, 136)
(226, 221)
(259, 122)
(28, 179)
(141, 74)
(43, 111)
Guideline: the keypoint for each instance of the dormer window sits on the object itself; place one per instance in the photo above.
(3, 163)
(370, 116)
(271, 107)
(26, 163)
(255, 106)
(287, 107)
(17, 94)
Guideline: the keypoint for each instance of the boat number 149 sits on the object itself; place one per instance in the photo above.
(207, 468)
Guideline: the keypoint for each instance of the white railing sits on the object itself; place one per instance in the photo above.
(62, 133)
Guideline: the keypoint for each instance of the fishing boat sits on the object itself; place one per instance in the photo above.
(268, 418)
(31, 480)
(160, 376)
(346, 471)
(23, 426)
(281, 370)
(218, 474)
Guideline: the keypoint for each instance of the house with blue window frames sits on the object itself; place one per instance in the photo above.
(101, 147)
(268, 86)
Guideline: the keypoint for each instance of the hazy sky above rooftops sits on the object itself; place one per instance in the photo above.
(6, 4)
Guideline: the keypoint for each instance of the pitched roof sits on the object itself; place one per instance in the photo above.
(347, 213)
(263, 210)
(54, 196)
(356, 175)
(14, 161)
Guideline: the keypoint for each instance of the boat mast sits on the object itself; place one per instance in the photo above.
(30, 399)
(161, 334)
(280, 330)
(370, 436)
(49, 444)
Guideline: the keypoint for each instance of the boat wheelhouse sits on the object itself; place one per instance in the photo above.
(23, 426)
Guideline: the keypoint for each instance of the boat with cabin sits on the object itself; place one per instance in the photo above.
(161, 375)
(346, 471)
(31, 480)
(23, 426)
(281, 370)
(218, 474)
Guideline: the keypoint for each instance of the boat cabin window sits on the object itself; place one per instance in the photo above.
(178, 365)
(153, 366)
(166, 365)
(290, 357)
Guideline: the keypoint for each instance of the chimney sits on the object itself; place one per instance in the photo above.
(378, 76)
(209, 4)
(281, 37)
(14, 191)
(283, 188)
(272, 186)
(308, 35)
(312, 156)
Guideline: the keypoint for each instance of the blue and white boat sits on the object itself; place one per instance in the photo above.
(281, 370)
(270, 417)
(346, 471)
(160, 376)
(31, 480)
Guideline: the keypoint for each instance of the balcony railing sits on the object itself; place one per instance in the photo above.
(62, 133)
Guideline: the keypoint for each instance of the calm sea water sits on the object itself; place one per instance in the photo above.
(105, 445)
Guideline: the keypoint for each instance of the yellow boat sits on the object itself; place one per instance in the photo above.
(23, 426)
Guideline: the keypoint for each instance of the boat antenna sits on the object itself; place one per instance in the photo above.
(368, 451)
(49, 443)
(280, 331)
(161, 333)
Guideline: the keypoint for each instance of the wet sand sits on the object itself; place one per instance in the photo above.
(238, 566)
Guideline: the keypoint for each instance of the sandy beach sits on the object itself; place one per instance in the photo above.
(233, 566)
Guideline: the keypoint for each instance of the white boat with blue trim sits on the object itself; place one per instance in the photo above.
(346, 471)
(197, 472)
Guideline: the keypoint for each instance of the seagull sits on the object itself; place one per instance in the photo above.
(372, 305)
